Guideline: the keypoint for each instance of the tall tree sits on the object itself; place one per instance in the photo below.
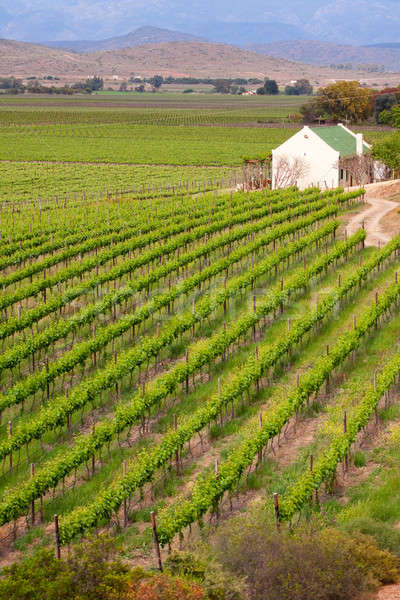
(271, 87)
(222, 86)
(396, 116)
(94, 83)
(384, 101)
(388, 151)
(157, 81)
(302, 87)
(345, 100)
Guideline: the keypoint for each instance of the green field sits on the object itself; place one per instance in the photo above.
(139, 143)
(142, 143)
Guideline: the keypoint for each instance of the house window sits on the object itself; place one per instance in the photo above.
(341, 174)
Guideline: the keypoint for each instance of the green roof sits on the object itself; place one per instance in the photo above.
(339, 139)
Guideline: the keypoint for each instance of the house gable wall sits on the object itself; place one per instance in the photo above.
(320, 160)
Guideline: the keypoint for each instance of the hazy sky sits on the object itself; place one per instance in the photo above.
(341, 20)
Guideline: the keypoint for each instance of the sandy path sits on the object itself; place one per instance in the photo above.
(377, 208)
(390, 592)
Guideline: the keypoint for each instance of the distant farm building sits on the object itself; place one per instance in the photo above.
(326, 157)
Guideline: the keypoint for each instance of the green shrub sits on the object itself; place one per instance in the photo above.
(185, 564)
(384, 534)
(379, 566)
(216, 583)
(91, 572)
(310, 562)
(359, 459)
(164, 587)
(38, 577)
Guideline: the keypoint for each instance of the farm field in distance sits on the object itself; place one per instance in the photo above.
(64, 145)
(171, 344)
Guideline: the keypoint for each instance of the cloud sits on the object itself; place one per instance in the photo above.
(343, 20)
(356, 21)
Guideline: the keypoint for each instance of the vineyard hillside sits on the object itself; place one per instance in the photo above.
(199, 376)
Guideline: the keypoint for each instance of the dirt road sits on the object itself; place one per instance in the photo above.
(377, 208)
(390, 592)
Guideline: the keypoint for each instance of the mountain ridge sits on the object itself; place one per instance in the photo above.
(137, 37)
(317, 52)
(178, 59)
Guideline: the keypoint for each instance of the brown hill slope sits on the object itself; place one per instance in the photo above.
(327, 53)
(23, 60)
(199, 59)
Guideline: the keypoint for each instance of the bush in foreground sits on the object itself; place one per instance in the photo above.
(93, 572)
(310, 562)
(164, 587)
(246, 560)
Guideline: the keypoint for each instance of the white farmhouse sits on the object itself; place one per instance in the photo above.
(316, 156)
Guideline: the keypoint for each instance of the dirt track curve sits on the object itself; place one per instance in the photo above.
(390, 592)
(376, 209)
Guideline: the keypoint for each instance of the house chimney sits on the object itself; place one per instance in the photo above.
(360, 144)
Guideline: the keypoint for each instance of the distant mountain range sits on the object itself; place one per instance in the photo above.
(138, 37)
(179, 59)
(385, 45)
(228, 33)
(355, 22)
(198, 59)
(327, 53)
(312, 52)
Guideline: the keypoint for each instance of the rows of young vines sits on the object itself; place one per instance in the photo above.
(132, 333)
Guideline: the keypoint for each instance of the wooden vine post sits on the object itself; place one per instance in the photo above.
(216, 473)
(125, 509)
(254, 311)
(177, 452)
(33, 501)
(346, 458)
(10, 437)
(187, 373)
(47, 382)
(57, 534)
(327, 377)
(311, 472)
(156, 542)
(277, 515)
(260, 424)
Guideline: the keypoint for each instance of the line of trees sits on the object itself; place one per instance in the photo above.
(342, 101)
(270, 88)
(208, 81)
(301, 87)
(12, 85)
(385, 104)
(92, 84)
